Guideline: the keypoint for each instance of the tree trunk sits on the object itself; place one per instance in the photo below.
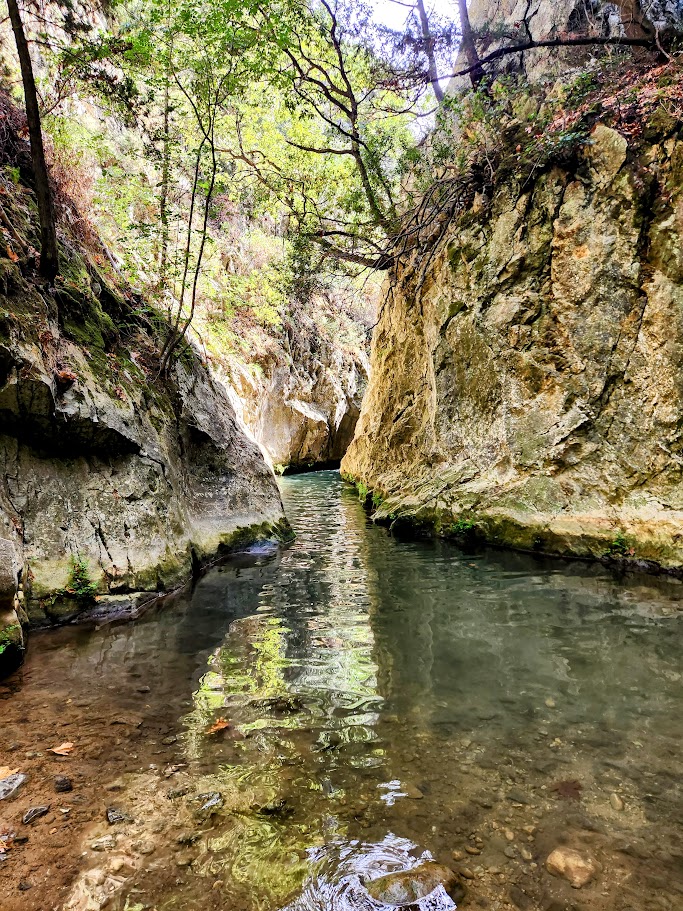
(429, 50)
(49, 251)
(475, 69)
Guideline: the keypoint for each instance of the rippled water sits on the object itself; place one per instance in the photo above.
(386, 702)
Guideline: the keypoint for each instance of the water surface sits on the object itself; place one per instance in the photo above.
(357, 704)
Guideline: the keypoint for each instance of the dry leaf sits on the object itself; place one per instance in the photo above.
(5, 772)
(62, 750)
(12, 255)
(569, 789)
(220, 725)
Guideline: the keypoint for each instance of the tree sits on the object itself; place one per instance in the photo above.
(49, 250)
(475, 69)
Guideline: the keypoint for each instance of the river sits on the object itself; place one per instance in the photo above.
(302, 721)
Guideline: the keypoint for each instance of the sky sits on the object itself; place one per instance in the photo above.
(394, 15)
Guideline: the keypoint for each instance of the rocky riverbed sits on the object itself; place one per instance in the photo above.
(304, 723)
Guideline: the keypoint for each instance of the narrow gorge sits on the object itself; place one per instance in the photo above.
(341, 441)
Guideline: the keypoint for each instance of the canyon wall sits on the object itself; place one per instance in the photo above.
(113, 479)
(529, 391)
(303, 405)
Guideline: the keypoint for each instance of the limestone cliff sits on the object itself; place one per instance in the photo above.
(500, 22)
(529, 389)
(303, 404)
(112, 479)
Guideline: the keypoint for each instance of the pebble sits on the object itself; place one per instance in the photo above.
(457, 855)
(510, 852)
(105, 843)
(63, 784)
(472, 850)
(146, 846)
(167, 741)
(411, 791)
(616, 802)
(114, 816)
(526, 854)
(509, 834)
(518, 797)
(550, 702)
(34, 813)
(466, 873)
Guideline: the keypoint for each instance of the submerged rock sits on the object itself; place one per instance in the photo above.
(409, 886)
(572, 866)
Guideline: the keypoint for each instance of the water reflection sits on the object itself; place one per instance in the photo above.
(357, 705)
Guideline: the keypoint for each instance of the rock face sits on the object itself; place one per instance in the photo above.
(303, 407)
(522, 20)
(137, 482)
(11, 615)
(531, 388)
(112, 479)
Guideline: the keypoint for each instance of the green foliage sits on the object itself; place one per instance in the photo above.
(377, 500)
(8, 636)
(462, 528)
(363, 491)
(620, 546)
(80, 586)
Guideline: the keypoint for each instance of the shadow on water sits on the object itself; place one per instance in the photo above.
(358, 704)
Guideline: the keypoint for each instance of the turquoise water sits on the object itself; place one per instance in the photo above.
(386, 702)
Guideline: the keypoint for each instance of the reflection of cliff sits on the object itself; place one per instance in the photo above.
(460, 642)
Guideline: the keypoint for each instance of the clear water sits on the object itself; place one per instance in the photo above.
(390, 702)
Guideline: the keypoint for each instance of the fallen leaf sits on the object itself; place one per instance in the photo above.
(5, 772)
(12, 255)
(568, 790)
(62, 750)
(220, 725)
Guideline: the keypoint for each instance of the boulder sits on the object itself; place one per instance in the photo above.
(409, 886)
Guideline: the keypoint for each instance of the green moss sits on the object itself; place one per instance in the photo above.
(10, 636)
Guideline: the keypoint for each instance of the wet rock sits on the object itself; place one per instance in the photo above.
(208, 803)
(115, 817)
(276, 807)
(517, 796)
(10, 785)
(409, 886)
(411, 791)
(105, 843)
(63, 784)
(616, 803)
(572, 866)
(520, 899)
(472, 850)
(34, 813)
